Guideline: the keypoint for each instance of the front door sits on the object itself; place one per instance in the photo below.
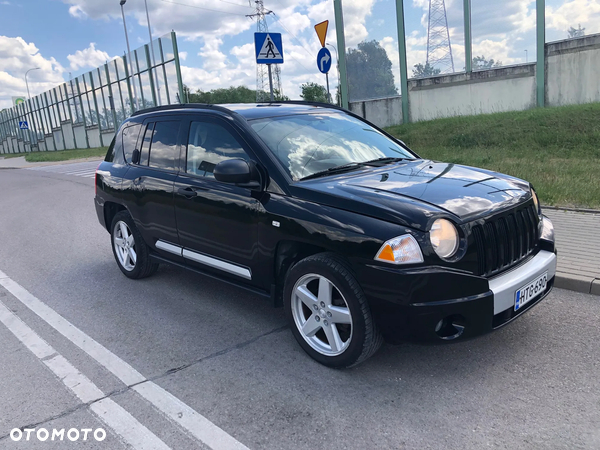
(217, 222)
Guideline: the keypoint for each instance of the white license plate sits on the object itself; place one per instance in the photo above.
(530, 291)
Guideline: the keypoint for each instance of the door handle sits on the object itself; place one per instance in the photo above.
(187, 192)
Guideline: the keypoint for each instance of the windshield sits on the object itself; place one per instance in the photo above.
(310, 143)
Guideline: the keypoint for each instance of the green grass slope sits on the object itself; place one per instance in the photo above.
(556, 149)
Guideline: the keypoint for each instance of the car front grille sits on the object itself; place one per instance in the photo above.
(504, 241)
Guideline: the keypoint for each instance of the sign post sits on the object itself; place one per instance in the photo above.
(269, 50)
(324, 56)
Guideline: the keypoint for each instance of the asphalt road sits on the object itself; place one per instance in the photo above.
(232, 364)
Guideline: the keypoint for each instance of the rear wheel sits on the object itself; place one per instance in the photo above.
(130, 250)
(329, 313)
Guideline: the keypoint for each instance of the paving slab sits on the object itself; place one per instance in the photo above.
(578, 266)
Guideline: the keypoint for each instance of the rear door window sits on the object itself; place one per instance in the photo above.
(163, 149)
(145, 150)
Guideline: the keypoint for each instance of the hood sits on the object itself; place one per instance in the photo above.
(412, 192)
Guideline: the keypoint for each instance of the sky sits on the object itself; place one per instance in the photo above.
(70, 37)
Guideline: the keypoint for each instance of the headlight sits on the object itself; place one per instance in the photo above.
(400, 250)
(444, 238)
(536, 202)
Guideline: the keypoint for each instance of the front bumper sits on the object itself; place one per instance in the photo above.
(437, 305)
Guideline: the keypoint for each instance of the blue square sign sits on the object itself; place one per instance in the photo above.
(269, 48)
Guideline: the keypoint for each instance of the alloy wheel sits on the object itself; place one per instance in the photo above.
(124, 246)
(321, 314)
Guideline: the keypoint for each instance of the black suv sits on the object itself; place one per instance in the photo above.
(355, 235)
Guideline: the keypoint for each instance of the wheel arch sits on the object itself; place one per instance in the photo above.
(110, 211)
(287, 254)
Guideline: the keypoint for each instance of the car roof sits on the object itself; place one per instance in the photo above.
(249, 111)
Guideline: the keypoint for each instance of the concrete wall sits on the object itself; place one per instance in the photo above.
(572, 68)
(503, 89)
(572, 71)
(384, 112)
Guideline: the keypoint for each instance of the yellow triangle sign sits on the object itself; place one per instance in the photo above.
(321, 29)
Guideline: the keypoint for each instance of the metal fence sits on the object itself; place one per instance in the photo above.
(86, 111)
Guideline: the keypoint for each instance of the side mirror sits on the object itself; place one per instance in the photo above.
(135, 156)
(237, 171)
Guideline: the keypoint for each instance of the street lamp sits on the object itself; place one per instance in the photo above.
(152, 49)
(526, 57)
(26, 83)
(129, 52)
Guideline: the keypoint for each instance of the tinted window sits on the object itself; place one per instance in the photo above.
(208, 145)
(110, 154)
(163, 148)
(130, 137)
(145, 150)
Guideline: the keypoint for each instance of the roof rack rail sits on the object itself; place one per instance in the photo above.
(181, 106)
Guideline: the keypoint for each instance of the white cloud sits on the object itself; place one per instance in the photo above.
(183, 55)
(90, 57)
(18, 56)
(572, 13)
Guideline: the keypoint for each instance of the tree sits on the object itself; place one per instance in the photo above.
(422, 71)
(232, 94)
(314, 92)
(480, 63)
(369, 72)
(576, 32)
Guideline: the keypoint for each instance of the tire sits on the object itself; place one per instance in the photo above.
(324, 304)
(132, 253)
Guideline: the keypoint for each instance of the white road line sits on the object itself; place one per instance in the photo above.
(114, 416)
(178, 412)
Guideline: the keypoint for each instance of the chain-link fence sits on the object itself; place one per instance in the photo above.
(86, 111)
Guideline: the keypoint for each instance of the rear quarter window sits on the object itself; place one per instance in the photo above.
(130, 138)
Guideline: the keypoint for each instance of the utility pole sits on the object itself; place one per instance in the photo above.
(263, 74)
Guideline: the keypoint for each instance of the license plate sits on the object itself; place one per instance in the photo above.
(530, 291)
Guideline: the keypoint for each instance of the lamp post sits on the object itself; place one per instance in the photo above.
(26, 83)
(526, 57)
(152, 50)
(135, 100)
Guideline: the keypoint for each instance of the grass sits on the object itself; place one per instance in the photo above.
(556, 149)
(62, 155)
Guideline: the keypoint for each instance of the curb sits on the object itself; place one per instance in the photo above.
(577, 283)
(581, 210)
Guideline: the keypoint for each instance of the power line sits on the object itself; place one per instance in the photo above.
(293, 35)
(206, 9)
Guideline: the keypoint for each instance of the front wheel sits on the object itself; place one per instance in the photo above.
(329, 313)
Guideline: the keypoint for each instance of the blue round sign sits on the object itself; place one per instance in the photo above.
(324, 60)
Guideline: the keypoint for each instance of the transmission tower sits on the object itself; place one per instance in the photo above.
(439, 50)
(262, 76)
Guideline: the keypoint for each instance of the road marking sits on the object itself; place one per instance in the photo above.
(114, 416)
(85, 169)
(174, 409)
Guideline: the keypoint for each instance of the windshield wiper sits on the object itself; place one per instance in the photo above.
(352, 166)
(331, 170)
(385, 160)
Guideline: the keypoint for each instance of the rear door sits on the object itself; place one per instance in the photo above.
(217, 222)
(150, 183)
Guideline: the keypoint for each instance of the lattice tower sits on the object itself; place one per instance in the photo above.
(439, 49)
(262, 72)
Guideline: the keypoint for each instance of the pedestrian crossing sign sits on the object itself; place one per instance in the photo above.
(269, 48)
